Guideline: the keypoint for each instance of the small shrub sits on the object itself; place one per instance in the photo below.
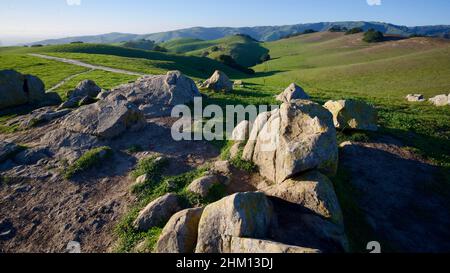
(90, 159)
(228, 60)
(373, 36)
(265, 57)
(337, 29)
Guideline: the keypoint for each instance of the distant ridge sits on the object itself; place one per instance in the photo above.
(261, 33)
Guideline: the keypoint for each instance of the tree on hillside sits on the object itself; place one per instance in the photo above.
(265, 57)
(354, 31)
(337, 29)
(229, 61)
(373, 36)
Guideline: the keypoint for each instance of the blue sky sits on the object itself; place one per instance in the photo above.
(22, 20)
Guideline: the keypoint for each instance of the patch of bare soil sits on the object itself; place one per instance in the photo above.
(44, 212)
(404, 198)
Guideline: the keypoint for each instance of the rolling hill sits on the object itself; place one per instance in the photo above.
(262, 33)
(244, 50)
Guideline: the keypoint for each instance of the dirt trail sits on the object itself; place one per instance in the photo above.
(68, 79)
(79, 63)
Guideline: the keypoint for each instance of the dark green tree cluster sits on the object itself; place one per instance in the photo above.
(373, 36)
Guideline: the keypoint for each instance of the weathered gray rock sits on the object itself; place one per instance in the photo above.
(17, 89)
(235, 150)
(103, 94)
(255, 246)
(293, 92)
(157, 212)
(218, 82)
(86, 101)
(222, 167)
(298, 137)
(157, 95)
(69, 104)
(86, 88)
(241, 132)
(43, 115)
(258, 125)
(311, 190)
(180, 233)
(440, 100)
(105, 119)
(238, 83)
(31, 156)
(415, 98)
(239, 215)
(204, 185)
(7, 149)
(352, 114)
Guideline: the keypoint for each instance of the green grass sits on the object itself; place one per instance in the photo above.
(50, 72)
(87, 161)
(244, 50)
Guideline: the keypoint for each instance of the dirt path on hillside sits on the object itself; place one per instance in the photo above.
(68, 79)
(79, 63)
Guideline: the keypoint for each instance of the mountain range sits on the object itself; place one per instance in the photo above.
(261, 33)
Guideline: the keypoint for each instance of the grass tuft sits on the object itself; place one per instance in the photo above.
(88, 161)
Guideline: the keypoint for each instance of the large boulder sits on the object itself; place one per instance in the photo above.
(218, 82)
(440, 100)
(254, 246)
(157, 95)
(311, 190)
(157, 212)
(180, 233)
(239, 215)
(298, 137)
(293, 92)
(17, 89)
(257, 126)
(241, 132)
(353, 114)
(105, 119)
(86, 88)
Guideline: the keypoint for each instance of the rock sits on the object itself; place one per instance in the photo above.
(204, 185)
(43, 115)
(68, 146)
(239, 84)
(7, 230)
(7, 149)
(241, 132)
(258, 125)
(311, 190)
(298, 137)
(236, 245)
(86, 101)
(235, 150)
(415, 98)
(69, 104)
(157, 95)
(86, 88)
(140, 180)
(293, 92)
(352, 114)
(218, 82)
(17, 89)
(239, 215)
(30, 156)
(222, 168)
(180, 233)
(103, 94)
(157, 212)
(440, 100)
(105, 119)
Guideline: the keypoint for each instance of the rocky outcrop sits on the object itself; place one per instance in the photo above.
(180, 233)
(298, 137)
(156, 95)
(241, 132)
(440, 100)
(157, 212)
(219, 82)
(255, 246)
(311, 190)
(105, 119)
(203, 186)
(352, 114)
(86, 88)
(415, 98)
(258, 125)
(239, 215)
(293, 92)
(17, 89)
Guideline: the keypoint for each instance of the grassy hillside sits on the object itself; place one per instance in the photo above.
(244, 50)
